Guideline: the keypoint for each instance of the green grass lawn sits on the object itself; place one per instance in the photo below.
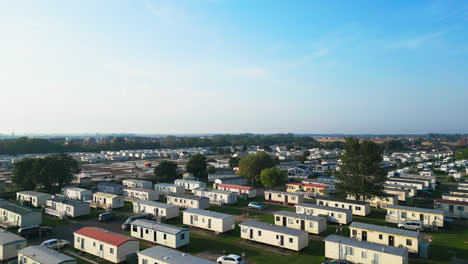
(52, 221)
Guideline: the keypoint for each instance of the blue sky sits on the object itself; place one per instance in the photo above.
(219, 66)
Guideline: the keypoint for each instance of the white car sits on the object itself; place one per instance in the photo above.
(230, 259)
(55, 243)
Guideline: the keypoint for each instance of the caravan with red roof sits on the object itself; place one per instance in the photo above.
(105, 244)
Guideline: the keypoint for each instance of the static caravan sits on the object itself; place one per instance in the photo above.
(326, 181)
(284, 197)
(232, 180)
(163, 234)
(168, 188)
(159, 210)
(188, 201)
(463, 186)
(213, 221)
(274, 235)
(356, 207)
(412, 190)
(402, 194)
(164, 255)
(309, 190)
(336, 215)
(140, 194)
(427, 183)
(110, 187)
(105, 244)
(452, 208)
(189, 184)
(36, 199)
(107, 201)
(432, 179)
(309, 223)
(380, 202)
(429, 217)
(419, 185)
(43, 255)
(15, 215)
(76, 193)
(132, 183)
(241, 190)
(386, 235)
(218, 197)
(62, 207)
(10, 244)
(459, 192)
(345, 248)
(455, 197)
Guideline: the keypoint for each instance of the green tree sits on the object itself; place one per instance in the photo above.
(197, 166)
(461, 154)
(166, 171)
(234, 162)
(394, 145)
(48, 174)
(252, 165)
(359, 175)
(272, 177)
(211, 169)
(24, 175)
(300, 158)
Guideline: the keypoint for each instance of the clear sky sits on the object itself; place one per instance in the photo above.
(232, 66)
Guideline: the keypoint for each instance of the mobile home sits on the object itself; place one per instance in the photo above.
(164, 255)
(140, 194)
(107, 201)
(36, 199)
(309, 223)
(455, 197)
(132, 183)
(43, 255)
(380, 202)
(188, 201)
(110, 187)
(356, 207)
(15, 215)
(412, 190)
(402, 194)
(213, 221)
(241, 190)
(105, 244)
(386, 235)
(308, 189)
(163, 234)
(284, 197)
(159, 210)
(189, 184)
(10, 244)
(218, 197)
(62, 207)
(458, 209)
(336, 215)
(75, 193)
(429, 217)
(345, 248)
(397, 181)
(274, 235)
(168, 188)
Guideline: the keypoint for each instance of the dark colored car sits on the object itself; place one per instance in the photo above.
(104, 217)
(126, 224)
(34, 231)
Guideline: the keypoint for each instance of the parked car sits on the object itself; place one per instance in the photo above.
(126, 224)
(412, 225)
(104, 217)
(56, 243)
(257, 205)
(337, 262)
(230, 259)
(34, 231)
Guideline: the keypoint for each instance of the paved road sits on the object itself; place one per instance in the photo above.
(66, 231)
